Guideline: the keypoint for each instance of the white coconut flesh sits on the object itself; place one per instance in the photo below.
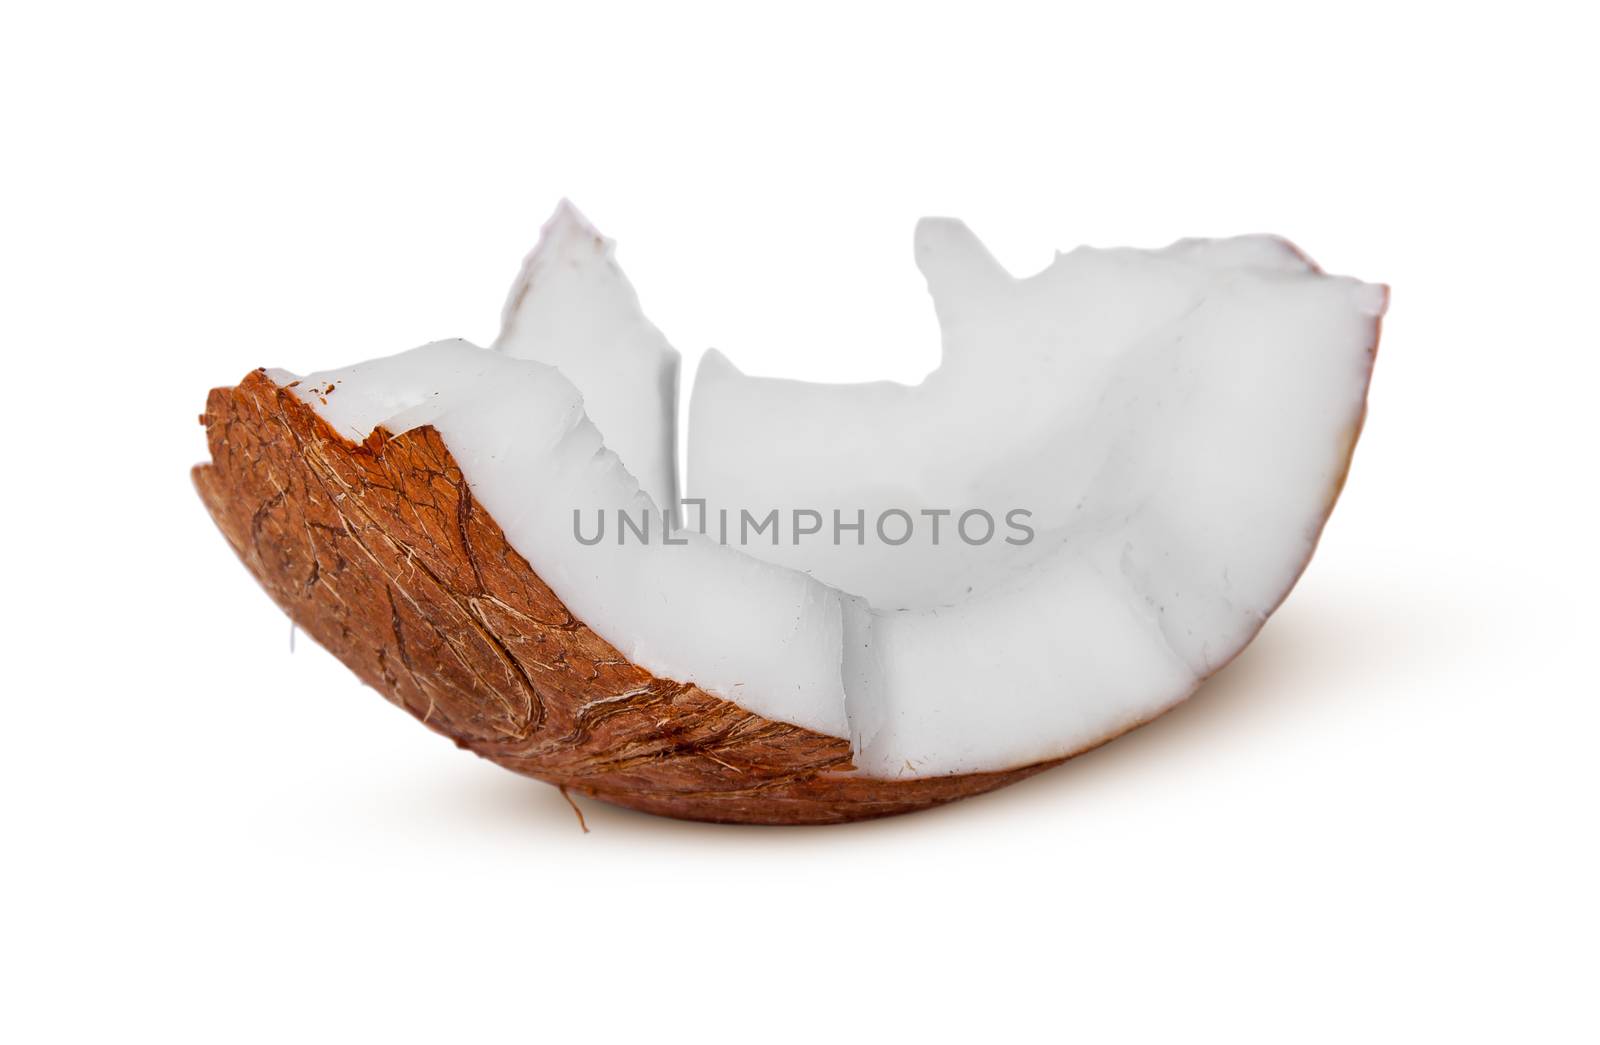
(1174, 424)
(571, 307)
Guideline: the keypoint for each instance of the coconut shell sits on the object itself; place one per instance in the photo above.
(379, 552)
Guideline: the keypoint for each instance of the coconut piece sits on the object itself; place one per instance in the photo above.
(1176, 424)
(1173, 424)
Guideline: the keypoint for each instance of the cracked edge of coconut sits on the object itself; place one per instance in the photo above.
(572, 307)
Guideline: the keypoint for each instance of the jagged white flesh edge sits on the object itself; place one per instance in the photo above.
(572, 307)
(1178, 421)
(760, 635)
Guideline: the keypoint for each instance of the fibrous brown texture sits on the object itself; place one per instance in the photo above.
(380, 553)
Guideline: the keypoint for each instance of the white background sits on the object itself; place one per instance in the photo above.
(1379, 824)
